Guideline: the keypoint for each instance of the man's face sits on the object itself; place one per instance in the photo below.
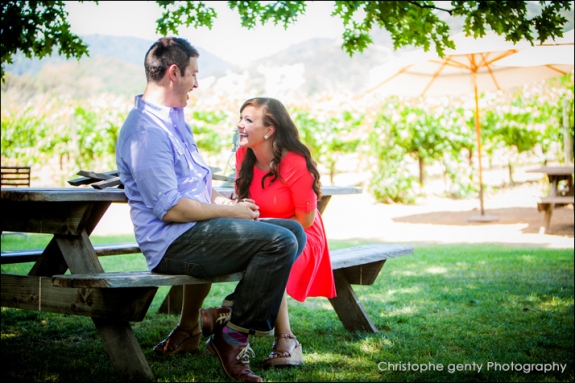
(186, 83)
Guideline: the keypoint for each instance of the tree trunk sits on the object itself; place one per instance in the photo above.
(510, 166)
(420, 170)
(567, 140)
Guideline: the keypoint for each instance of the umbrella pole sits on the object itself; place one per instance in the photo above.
(478, 136)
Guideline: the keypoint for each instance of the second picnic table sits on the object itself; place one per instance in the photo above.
(555, 174)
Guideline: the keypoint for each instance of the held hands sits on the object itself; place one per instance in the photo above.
(247, 209)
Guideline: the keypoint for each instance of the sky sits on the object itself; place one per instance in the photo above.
(227, 39)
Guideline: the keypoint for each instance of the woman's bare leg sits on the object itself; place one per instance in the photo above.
(282, 321)
(193, 299)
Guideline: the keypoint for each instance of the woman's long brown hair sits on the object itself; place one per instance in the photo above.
(285, 139)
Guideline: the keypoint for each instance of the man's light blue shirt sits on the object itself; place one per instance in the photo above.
(159, 163)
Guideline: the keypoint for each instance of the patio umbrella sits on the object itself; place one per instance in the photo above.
(467, 69)
(550, 53)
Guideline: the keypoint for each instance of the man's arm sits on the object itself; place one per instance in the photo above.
(189, 210)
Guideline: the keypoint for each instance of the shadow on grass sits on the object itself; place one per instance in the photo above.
(561, 221)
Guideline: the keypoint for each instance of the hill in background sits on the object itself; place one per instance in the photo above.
(115, 65)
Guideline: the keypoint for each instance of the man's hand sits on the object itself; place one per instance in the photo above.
(189, 210)
(253, 213)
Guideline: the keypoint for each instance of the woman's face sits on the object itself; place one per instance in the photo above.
(251, 127)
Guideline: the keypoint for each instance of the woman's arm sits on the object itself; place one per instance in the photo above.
(305, 219)
(219, 199)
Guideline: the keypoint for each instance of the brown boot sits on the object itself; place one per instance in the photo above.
(214, 319)
(234, 359)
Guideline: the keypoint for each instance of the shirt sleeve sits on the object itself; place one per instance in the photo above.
(300, 181)
(150, 157)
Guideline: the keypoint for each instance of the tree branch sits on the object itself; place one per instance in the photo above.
(418, 4)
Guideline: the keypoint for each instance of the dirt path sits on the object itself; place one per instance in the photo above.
(434, 220)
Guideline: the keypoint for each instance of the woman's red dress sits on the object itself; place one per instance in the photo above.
(311, 274)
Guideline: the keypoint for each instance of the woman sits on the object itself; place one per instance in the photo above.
(274, 168)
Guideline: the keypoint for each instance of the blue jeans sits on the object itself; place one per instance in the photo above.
(265, 250)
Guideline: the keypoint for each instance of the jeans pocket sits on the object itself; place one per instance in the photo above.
(194, 269)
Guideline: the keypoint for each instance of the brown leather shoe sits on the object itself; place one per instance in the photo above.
(179, 341)
(214, 319)
(234, 359)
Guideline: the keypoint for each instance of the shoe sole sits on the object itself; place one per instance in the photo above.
(295, 360)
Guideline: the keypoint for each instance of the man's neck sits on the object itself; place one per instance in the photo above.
(158, 94)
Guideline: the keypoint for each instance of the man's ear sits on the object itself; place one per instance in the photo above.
(173, 72)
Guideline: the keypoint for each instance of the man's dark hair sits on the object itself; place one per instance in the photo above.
(165, 52)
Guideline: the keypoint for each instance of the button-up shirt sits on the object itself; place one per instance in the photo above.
(159, 163)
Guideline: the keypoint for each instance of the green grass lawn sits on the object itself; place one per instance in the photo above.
(459, 312)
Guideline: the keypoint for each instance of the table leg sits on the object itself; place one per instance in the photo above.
(348, 307)
(321, 205)
(117, 335)
(547, 219)
(172, 303)
(123, 348)
(554, 183)
(51, 262)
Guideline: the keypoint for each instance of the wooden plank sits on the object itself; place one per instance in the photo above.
(79, 253)
(115, 181)
(61, 195)
(322, 204)
(363, 274)
(547, 219)
(348, 307)
(38, 293)
(86, 180)
(125, 352)
(31, 255)
(553, 170)
(134, 279)
(15, 176)
(44, 217)
(218, 177)
(558, 199)
(95, 175)
(172, 303)
(370, 256)
(361, 255)
(51, 262)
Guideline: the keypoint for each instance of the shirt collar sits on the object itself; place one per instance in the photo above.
(164, 113)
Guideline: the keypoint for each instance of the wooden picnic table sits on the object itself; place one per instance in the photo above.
(556, 197)
(71, 214)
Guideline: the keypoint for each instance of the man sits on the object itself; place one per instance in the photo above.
(184, 226)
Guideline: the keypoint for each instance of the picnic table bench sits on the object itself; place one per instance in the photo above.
(556, 197)
(15, 176)
(113, 300)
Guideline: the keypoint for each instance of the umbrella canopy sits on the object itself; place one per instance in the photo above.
(467, 69)
(551, 53)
